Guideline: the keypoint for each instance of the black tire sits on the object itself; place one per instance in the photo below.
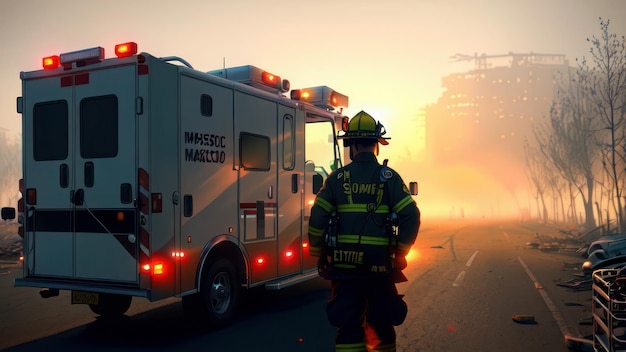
(220, 293)
(111, 305)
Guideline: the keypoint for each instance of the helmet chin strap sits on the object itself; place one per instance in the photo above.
(352, 148)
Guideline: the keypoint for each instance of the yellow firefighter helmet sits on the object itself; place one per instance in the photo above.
(363, 126)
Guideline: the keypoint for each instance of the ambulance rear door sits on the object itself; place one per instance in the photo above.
(80, 165)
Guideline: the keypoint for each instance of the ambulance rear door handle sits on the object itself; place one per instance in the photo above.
(260, 219)
(89, 174)
(78, 196)
(126, 193)
(294, 183)
(64, 178)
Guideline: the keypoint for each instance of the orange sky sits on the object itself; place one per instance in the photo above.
(387, 56)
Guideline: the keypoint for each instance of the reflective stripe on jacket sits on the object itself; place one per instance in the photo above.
(363, 194)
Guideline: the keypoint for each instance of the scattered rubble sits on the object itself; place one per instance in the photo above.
(577, 283)
(12, 250)
(11, 245)
(578, 344)
(524, 319)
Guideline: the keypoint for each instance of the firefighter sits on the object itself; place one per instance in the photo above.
(363, 224)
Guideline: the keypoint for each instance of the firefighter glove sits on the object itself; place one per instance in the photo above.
(400, 263)
(323, 266)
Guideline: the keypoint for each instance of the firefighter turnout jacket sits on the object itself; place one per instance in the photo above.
(354, 218)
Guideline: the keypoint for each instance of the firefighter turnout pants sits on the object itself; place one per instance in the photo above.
(364, 311)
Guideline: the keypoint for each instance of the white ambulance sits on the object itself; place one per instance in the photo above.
(145, 177)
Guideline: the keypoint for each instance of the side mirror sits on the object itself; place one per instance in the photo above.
(8, 213)
(413, 188)
(318, 181)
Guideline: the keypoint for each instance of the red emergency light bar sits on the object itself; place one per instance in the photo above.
(82, 57)
(321, 96)
(254, 76)
(87, 56)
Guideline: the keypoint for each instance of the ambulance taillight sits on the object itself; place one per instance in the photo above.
(153, 269)
(31, 196)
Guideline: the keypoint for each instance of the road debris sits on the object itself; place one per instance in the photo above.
(524, 319)
(577, 283)
(533, 245)
(549, 247)
(571, 266)
(578, 344)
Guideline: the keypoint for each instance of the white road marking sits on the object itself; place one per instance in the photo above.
(551, 307)
(459, 279)
(469, 262)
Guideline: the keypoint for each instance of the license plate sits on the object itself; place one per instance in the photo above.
(80, 297)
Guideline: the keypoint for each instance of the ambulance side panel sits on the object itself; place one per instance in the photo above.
(208, 178)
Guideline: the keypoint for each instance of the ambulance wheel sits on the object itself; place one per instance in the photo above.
(220, 292)
(111, 305)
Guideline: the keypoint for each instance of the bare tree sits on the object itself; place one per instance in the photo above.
(573, 146)
(557, 148)
(605, 85)
(536, 167)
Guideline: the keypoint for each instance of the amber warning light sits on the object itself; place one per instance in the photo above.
(321, 96)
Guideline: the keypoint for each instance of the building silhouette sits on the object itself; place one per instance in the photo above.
(484, 115)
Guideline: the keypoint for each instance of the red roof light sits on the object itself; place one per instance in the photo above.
(51, 62)
(270, 80)
(126, 49)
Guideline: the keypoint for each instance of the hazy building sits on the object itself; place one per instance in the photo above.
(484, 115)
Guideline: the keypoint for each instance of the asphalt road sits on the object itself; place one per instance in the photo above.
(466, 280)
(463, 292)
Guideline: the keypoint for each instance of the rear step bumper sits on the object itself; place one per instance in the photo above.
(292, 280)
(80, 286)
